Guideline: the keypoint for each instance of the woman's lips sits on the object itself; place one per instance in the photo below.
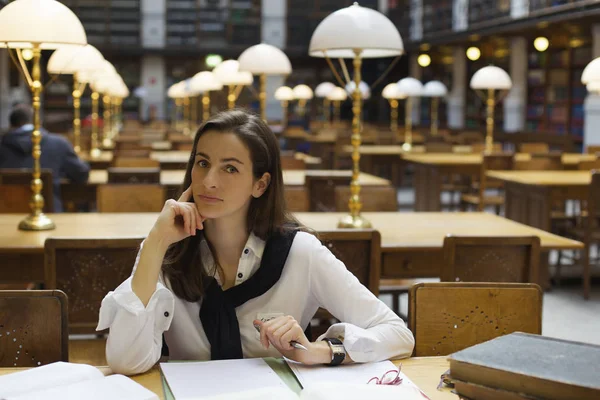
(209, 199)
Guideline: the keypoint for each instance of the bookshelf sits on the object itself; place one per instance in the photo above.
(555, 94)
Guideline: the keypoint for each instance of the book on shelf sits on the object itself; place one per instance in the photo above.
(531, 365)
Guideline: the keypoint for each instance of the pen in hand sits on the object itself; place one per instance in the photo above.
(293, 343)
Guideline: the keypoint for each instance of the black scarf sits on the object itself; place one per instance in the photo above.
(217, 312)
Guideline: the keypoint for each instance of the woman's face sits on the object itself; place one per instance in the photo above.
(222, 179)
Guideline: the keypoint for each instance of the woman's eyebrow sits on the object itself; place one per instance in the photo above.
(223, 160)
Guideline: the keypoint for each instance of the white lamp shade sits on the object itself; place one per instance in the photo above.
(591, 72)
(356, 27)
(284, 93)
(435, 89)
(265, 59)
(177, 90)
(363, 87)
(303, 92)
(593, 87)
(48, 23)
(104, 84)
(410, 87)
(337, 94)
(491, 78)
(205, 81)
(391, 91)
(228, 73)
(323, 89)
(71, 59)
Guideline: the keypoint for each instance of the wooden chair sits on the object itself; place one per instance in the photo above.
(360, 251)
(292, 163)
(588, 231)
(33, 327)
(296, 199)
(133, 153)
(373, 198)
(120, 198)
(480, 199)
(534, 148)
(478, 148)
(183, 146)
(86, 269)
(491, 259)
(135, 162)
(541, 162)
(448, 317)
(133, 175)
(15, 190)
(320, 189)
(589, 165)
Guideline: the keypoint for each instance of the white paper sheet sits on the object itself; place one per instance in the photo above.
(195, 380)
(353, 374)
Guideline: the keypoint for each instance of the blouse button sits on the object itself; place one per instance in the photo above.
(240, 275)
(246, 251)
(166, 313)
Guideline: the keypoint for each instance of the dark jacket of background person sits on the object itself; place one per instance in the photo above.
(57, 155)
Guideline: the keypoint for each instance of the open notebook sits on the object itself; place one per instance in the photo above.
(260, 379)
(67, 381)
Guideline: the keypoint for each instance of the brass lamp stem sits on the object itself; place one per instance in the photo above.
(205, 106)
(355, 220)
(186, 115)
(175, 121)
(327, 111)
(394, 116)
(76, 115)
(489, 137)
(284, 118)
(231, 97)
(115, 117)
(434, 116)
(263, 97)
(336, 110)
(407, 146)
(37, 220)
(106, 115)
(194, 112)
(95, 151)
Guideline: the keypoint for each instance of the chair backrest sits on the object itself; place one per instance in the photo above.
(86, 269)
(491, 259)
(359, 250)
(438, 147)
(593, 208)
(492, 162)
(117, 198)
(448, 317)
(541, 162)
(296, 198)
(592, 149)
(133, 175)
(33, 327)
(589, 165)
(320, 188)
(133, 152)
(15, 190)
(532, 148)
(480, 147)
(184, 146)
(373, 198)
(290, 162)
(135, 162)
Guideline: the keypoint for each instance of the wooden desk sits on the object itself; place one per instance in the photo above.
(430, 168)
(425, 372)
(411, 242)
(531, 194)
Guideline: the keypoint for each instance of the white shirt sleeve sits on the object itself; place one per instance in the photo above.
(370, 330)
(135, 337)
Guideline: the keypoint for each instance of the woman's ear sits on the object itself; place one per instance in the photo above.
(261, 185)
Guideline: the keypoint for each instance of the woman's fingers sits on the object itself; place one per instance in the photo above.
(186, 195)
(281, 332)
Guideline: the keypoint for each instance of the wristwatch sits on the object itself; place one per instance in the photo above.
(338, 352)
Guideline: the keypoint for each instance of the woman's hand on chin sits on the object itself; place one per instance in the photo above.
(177, 220)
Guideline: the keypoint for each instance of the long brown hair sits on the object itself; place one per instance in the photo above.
(182, 265)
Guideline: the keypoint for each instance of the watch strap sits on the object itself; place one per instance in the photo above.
(338, 354)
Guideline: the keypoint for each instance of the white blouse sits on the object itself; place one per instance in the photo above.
(312, 277)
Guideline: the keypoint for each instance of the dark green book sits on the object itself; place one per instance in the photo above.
(532, 365)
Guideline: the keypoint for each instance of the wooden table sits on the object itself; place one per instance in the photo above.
(430, 168)
(425, 372)
(531, 194)
(411, 242)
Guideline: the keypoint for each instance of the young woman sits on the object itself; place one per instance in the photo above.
(226, 272)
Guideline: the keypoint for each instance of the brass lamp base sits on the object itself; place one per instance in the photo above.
(407, 146)
(358, 222)
(108, 143)
(95, 153)
(38, 222)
